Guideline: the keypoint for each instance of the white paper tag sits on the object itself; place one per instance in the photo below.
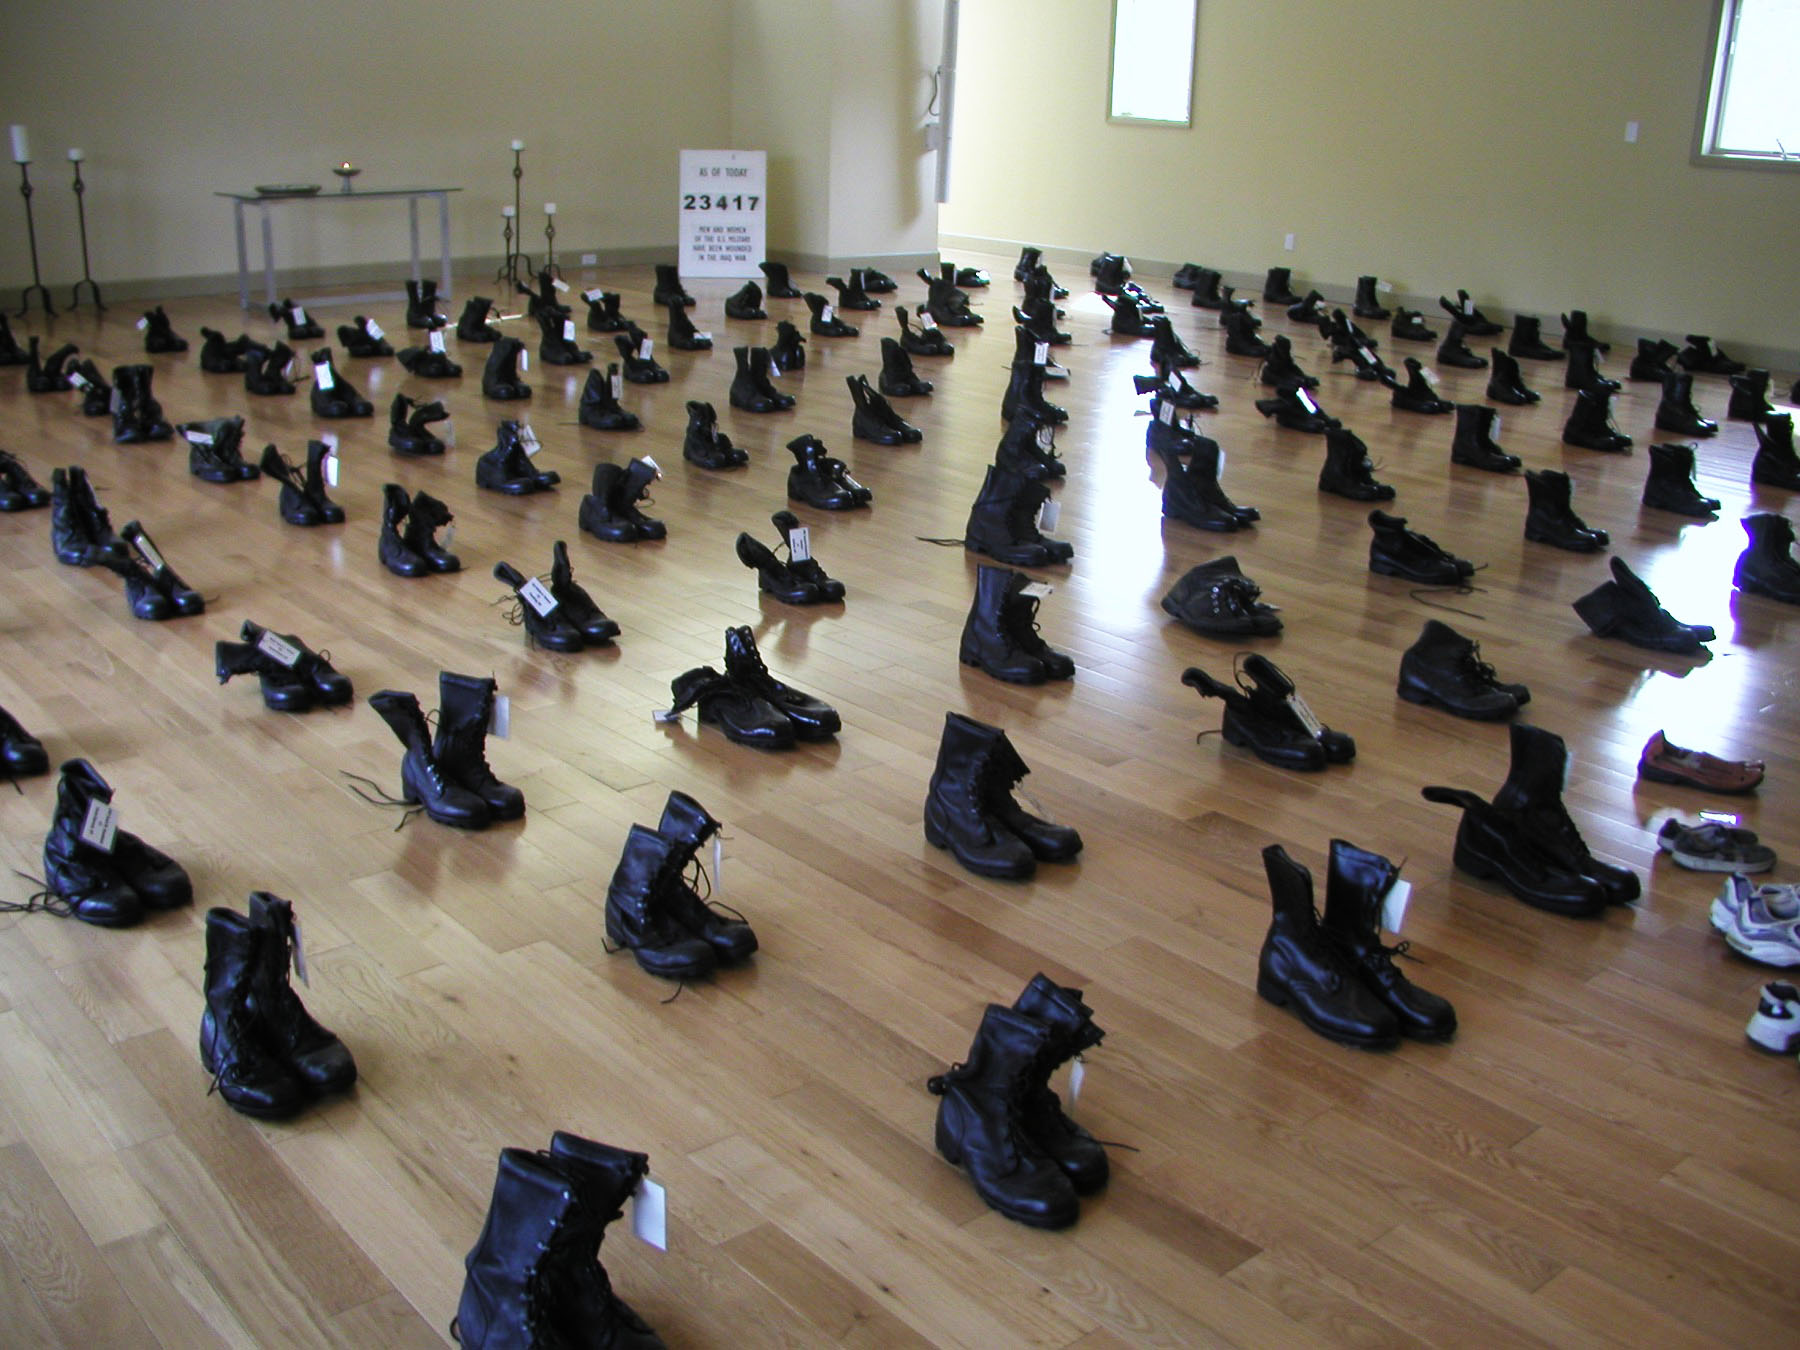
(297, 317)
(1367, 355)
(702, 337)
(718, 868)
(1468, 305)
(537, 595)
(568, 330)
(148, 552)
(559, 284)
(198, 437)
(1037, 590)
(524, 359)
(448, 539)
(373, 329)
(1040, 354)
(329, 466)
(1314, 727)
(646, 349)
(593, 295)
(435, 340)
(1046, 438)
(1165, 413)
(650, 1215)
(322, 375)
(99, 825)
(500, 724)
(117, 401)
(1393, 905)
(79, 380)
(1077, 1072)
(655, 467)
(799, 544)
(1220, 471)
(926, 322)
(143, 323)
(1386, 287)
(278, 649)
(528, 439)
(1049, 513)
(618, 385)
(1494, 434)
(1430, 375)
(300, 954)
(1725, 818)
(661, 715)
(1305, 400)
(851, 483)
(827, 314)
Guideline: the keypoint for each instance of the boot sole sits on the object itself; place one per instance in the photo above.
(1010, 872)
(1425, 698)
(1466, 861)
(1274, 993)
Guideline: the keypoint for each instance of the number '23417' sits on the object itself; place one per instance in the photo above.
(705, 201)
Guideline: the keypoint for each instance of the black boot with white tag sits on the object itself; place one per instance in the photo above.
(409, 427)
(825, 322)
(746, 303)
(430, 362)
(363, 338)
(600, 407)
(473, 325)
(557, 345)
(704, 444)
(266, 371)
(160, 337)
(300, 328)
(424, 781)
(539, 612)
(603, 312)
(575, 604)
(105, 875)
(1419, 394)
(137, 416)
(1506, 384)
(215, 453)
(1268, 718)
(638, 353)
(509, 467)
(332, 394)
(295, 506)
(421, 305)
(500, 377)
(426, 516)
(330, 688)
(183, 597)
(284, 688)
(683, 336)
(96, 393)
(789, 352)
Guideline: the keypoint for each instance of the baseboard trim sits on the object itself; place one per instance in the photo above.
(1154, 274)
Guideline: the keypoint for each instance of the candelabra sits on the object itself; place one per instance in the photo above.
(509, 270)
(550, 263)
(87, 275)
(37, 286)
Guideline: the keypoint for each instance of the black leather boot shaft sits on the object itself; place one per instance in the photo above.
(638, 910)
(1354, 890)
(234, 1045)
(1304, 967)
(465, 710)
(423, 780)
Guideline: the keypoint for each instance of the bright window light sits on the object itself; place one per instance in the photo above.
(1153, 61)
(1754, 102)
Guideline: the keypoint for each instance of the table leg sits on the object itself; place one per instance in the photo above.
(443, 200)
(268, 236)
(412, 225)
(237, 219)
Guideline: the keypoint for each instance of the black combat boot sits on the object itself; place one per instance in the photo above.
(363, 338)
(780, 286)
(1627, 609)
(732, 940)
(1396, 551)
(300, 327)
(294, 504)
(1474, 444)
(1348, 471)
(1311, 310)
(284, 689)
(500, 376)
(137, 416)
(219, 357)
(1081, 1156)
(1277, 287)
(575, 604)
(11, 354)
(1409, 326)
(1590, 425)
(266, 371)
(969, 808)
(1367, 306)
(1292, 407)
(1499, 845)
(707, 446)
(610, 509)
(600, 407)
(1575, 329)
(744, 716)
(874, 418)
(1776, 463)
(105, 875)
(1419, 394)
(1280, 368)
(215, 453)
(746, 303)
(751, 389)
(235, 1047)
(1000, 635)
(1702, 358)
(1750, 397)
(424, 781)
(538, 612)
(1651, 363)
(851, 294)
(315, 1056)
(1127, 319)
(1550, 517)
(465, 712)
(813, 719)
(1677, 413)
(19, 491)
(1453, 351)
(1003, 522)
(1528, 343)
(637, 356)
(825, 322)
(1670, 484)
(421, 306)
(1767, 566)
(669, 287)
(1268, 719)
(332, 394)
(898, 379)
(81, 533)
(1507, 383)
(603, 312)
(160, 335)
(1240, 334)
(789, 351)
(508, 466)
(392, 549)
(821, 480)
(1206, 290)
(1534, 788)
(1304, 965)
(1167, 352)
(472, 325)
(50, 375)
(430, 362)
(409, 426)
(1584, 369)
(328, 686)
(983, 1121)
(427, 516)
(1444, 669)
(641, 912)
(1354, 891)
(1025, 387)
(1473, 321)
(1192, 493)
(1217, 599)
(96, 393)
(683, 336)
(181, 597)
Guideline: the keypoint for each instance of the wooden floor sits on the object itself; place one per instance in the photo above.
(1598, 1158)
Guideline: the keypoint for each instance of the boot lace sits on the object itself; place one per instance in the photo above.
(1020, 618)
(40, 899)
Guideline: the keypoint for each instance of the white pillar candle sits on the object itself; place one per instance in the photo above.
(21, 148)
(549, 208)
(76, 156)
(518, 145)
(507, 211)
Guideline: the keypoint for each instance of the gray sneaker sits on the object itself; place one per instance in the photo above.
(1711, 847)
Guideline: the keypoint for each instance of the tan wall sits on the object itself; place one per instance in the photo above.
(175, 99)
(1436, 143)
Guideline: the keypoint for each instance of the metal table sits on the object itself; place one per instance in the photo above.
(411, 195)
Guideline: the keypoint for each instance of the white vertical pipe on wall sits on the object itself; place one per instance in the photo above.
(947, 98)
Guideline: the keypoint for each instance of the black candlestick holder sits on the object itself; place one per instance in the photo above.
(37, 286)
(87, 275)
(509, 270)
(550, 264)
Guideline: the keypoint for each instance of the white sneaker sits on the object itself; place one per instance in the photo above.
(1761, 922)
(1775, 1025)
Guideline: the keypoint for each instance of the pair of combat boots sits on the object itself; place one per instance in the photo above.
(969, 808)
(560, 616)
(93, 870)
(447, 775)
(652, 909)
(749, 704)
(408, 545)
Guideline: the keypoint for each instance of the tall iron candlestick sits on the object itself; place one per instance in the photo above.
(550, 264)
(37, 282)
(87, 275)
(509, 271)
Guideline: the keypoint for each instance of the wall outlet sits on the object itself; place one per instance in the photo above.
(589, 259)
(1288, 243)
(1631, 133)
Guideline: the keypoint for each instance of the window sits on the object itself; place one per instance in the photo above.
(1752, 111)
(1153, 61)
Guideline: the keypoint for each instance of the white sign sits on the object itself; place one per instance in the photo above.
(721, 212)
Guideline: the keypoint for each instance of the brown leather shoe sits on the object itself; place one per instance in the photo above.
(1665, 762)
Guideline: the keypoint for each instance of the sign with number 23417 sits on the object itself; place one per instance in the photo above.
(721, 212)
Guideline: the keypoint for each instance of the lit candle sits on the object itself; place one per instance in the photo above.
(507, 211)
(21, 147)
(76, 156)
(518, 145)
(345, 167)
(549, 208)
